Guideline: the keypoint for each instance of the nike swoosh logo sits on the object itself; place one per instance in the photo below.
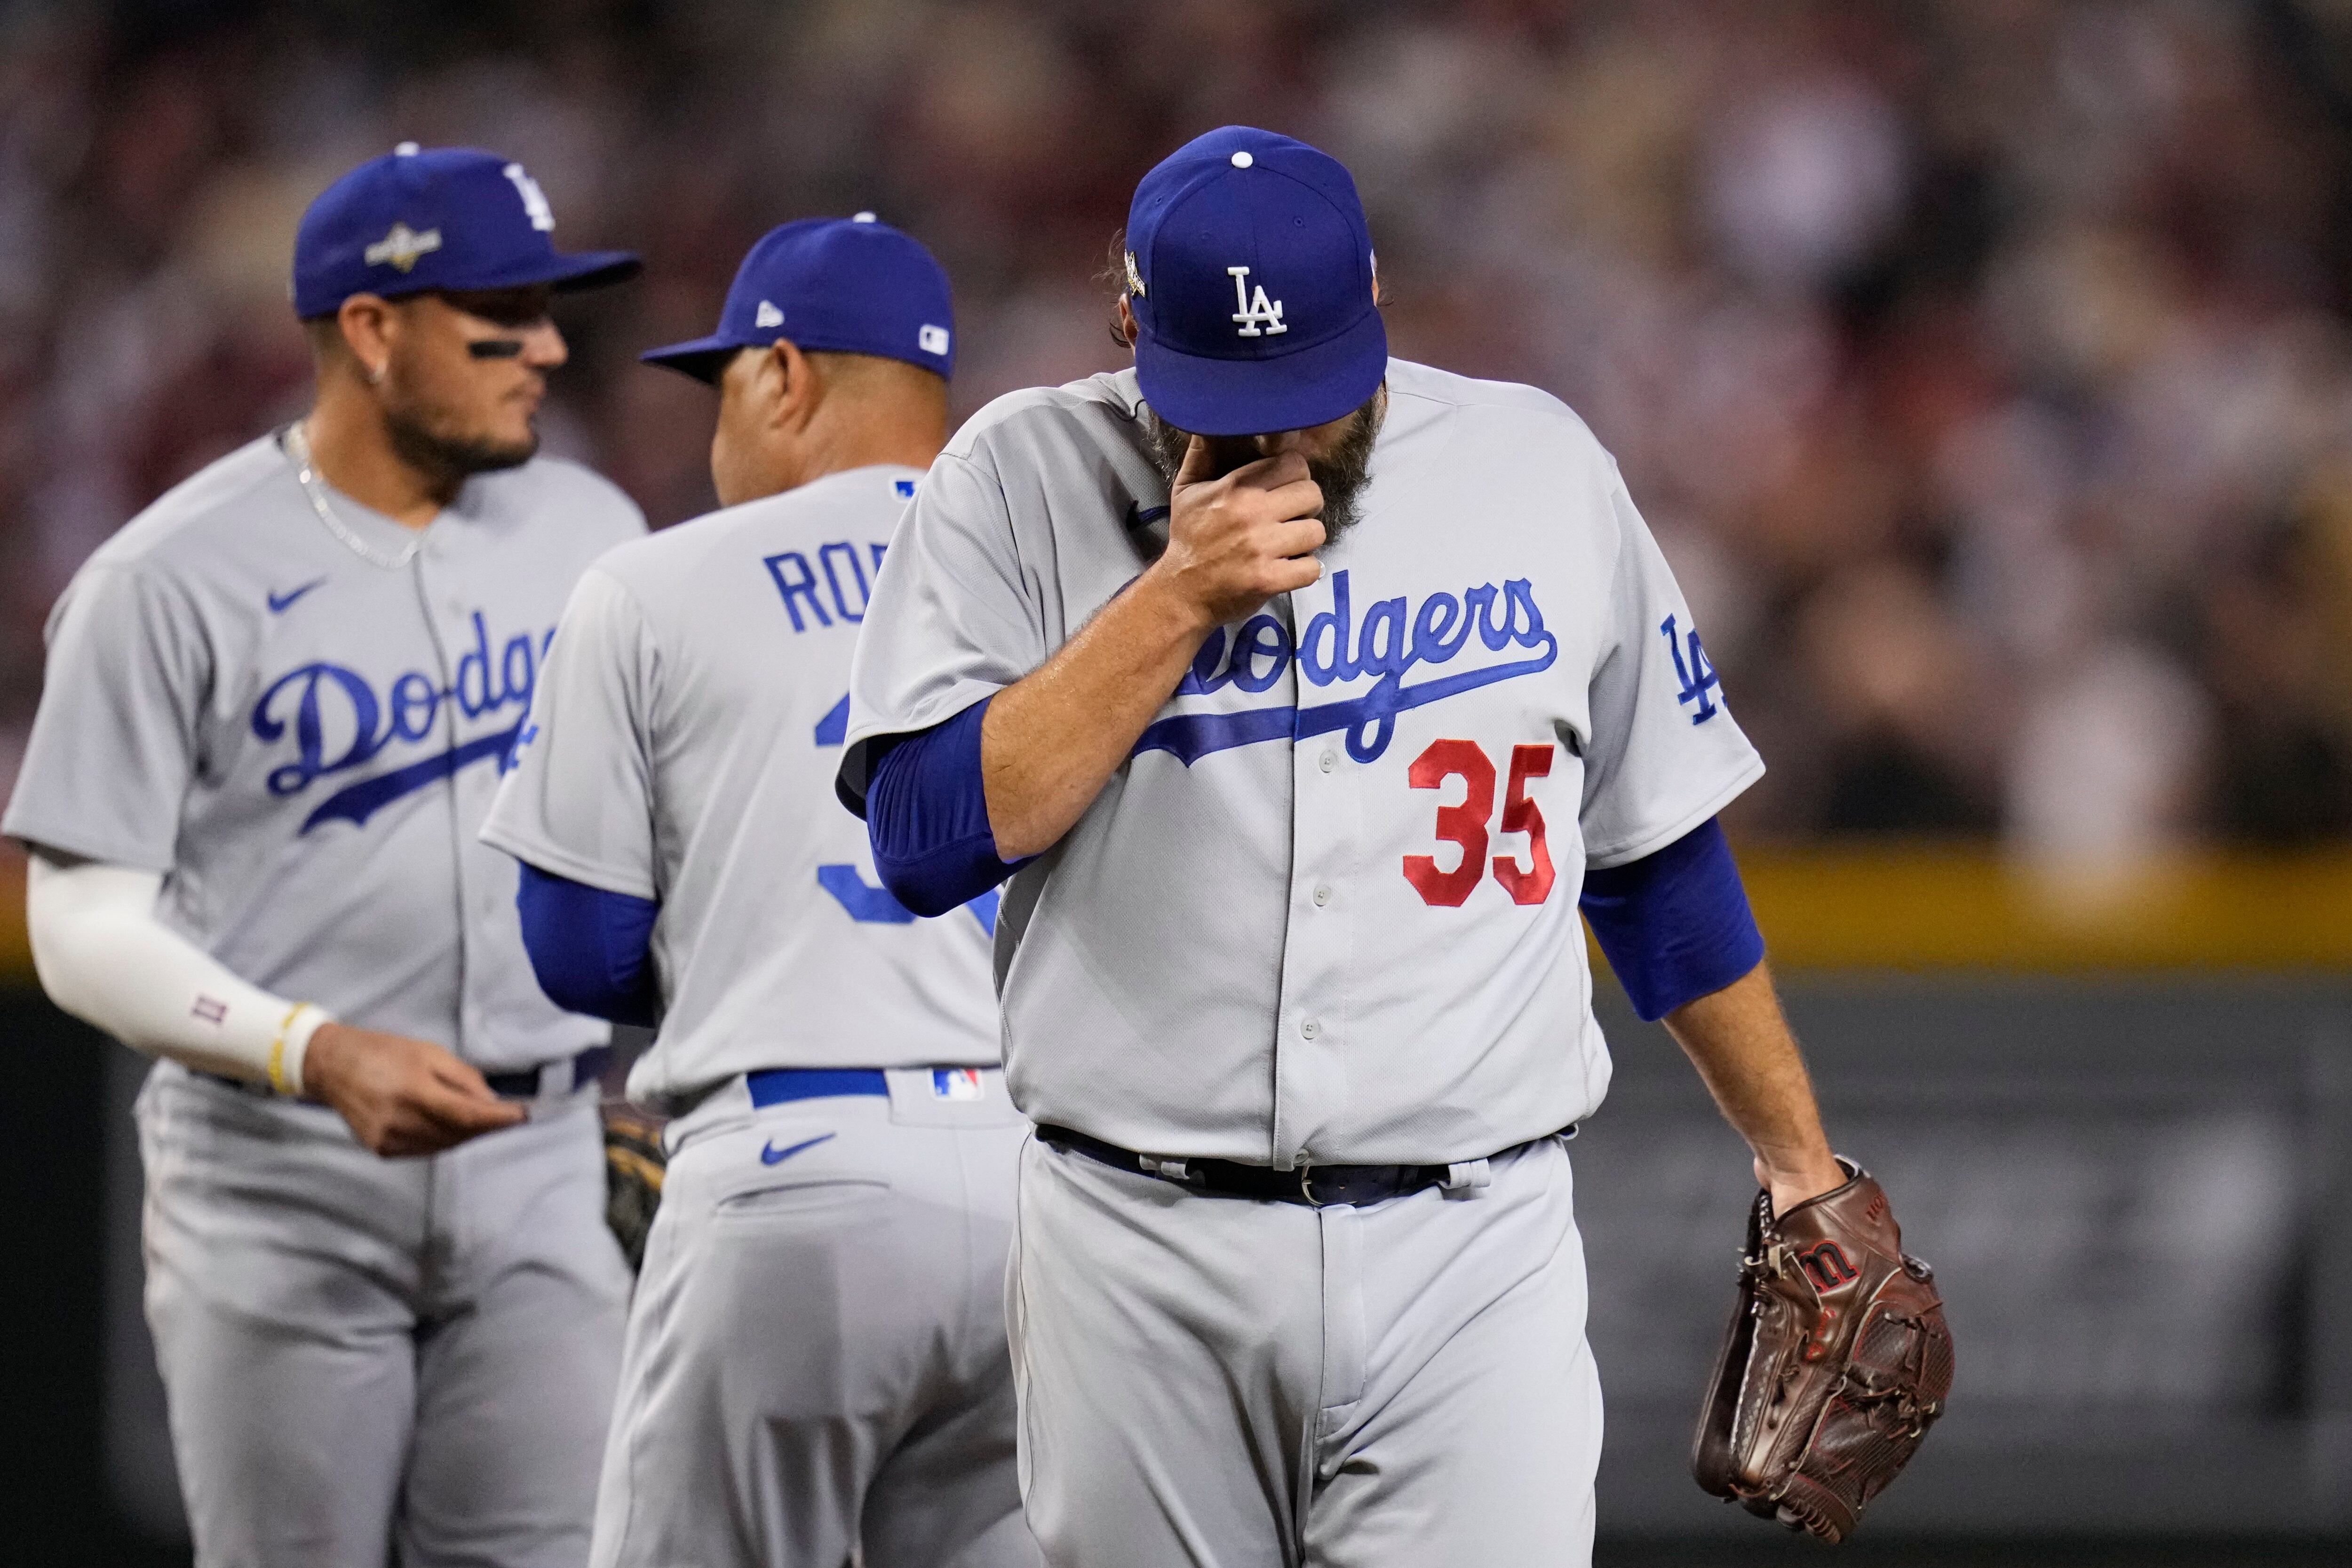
(772, 1155)
(281, 602)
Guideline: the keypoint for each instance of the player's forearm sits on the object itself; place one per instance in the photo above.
(103, 956)
(1740, 1042)
(1052, 739)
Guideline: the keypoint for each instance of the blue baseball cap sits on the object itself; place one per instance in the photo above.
(838, 285)
(1249, 269)
(445, 217)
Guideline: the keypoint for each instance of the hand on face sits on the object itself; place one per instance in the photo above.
(1236, 539)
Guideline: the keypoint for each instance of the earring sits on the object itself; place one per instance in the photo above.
(375, 375)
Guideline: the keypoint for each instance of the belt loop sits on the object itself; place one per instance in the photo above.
(1468, 1178)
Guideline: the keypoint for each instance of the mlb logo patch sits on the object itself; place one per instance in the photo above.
(955, 1083)
(905, 488)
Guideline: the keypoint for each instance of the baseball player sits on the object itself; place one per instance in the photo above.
(1303, 692)
(385, 1306)
(816, 1357)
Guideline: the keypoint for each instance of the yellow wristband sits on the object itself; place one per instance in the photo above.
(277, 1078)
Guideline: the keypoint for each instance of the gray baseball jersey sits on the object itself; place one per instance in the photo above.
(682, 747)
(306, 742)
(1327, 912)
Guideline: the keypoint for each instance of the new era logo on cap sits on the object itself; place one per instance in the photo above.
(932, 339)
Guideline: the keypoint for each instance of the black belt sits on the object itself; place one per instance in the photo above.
(523, 1083)
(1315, 1186)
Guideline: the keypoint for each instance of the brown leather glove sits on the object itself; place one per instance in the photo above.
(1836, 1364)
(634, 1168)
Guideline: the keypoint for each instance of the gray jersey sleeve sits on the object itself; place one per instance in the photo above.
(114, 747)
(1665, 753)
(955, 617)
(580, 800)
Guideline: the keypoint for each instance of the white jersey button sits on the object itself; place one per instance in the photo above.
(1328, 761)
(1322, 897)
(1311, 1028)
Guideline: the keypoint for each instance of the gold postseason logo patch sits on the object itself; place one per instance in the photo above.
(400, 248)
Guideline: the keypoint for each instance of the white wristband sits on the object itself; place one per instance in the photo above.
(292, 1046)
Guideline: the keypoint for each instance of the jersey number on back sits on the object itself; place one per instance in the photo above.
(848, 886)
(1465, 824)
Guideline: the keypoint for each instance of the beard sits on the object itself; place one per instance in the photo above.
(1340, 474)
(428, 442)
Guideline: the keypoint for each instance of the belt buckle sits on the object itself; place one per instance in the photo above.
(1307, 1187)
(1177, 1170)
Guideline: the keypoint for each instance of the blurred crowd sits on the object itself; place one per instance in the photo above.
(1982, 365)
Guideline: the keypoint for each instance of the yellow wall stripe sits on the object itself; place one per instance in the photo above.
(1958, 907)
(1970, 908)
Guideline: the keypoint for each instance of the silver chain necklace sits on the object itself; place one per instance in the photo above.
(297, 446)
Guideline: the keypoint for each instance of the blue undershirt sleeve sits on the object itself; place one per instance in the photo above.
(927, 817)
(1675, 924)
(591, 949)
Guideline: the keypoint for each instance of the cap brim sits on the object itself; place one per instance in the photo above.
(591, 269)
(1261, 397)
(564, 274)
(704, 359)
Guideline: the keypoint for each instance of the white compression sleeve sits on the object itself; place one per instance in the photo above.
(103, 956)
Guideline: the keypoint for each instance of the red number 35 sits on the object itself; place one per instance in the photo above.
(1465, 824)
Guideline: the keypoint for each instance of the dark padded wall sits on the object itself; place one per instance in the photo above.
(2135, 1194)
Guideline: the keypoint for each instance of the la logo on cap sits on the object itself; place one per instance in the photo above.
(400, 247)
(534, 200)
(1259, 317)
(767, 315)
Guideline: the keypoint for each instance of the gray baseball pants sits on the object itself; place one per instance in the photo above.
(816, 1361)
(1223, 1382)
(368, 1360)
